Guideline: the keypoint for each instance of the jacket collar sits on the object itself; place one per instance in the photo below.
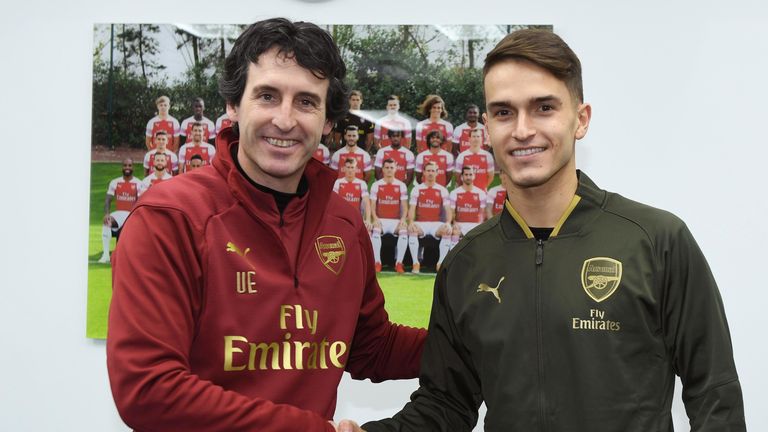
(580, 212)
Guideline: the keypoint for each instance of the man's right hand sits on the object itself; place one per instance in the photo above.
(348, 426)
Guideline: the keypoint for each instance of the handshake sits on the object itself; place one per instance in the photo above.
(346, 426)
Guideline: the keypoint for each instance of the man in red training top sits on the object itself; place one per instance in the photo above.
(272, 292)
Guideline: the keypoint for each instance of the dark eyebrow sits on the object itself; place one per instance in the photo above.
(552, 99)
(314, 96)
(548, 98)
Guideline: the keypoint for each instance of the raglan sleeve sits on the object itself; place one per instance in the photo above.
(449, 394)
(156, 301)
(696, 333)
(381, 350)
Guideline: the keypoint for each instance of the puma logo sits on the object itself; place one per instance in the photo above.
(493, 290)
(231, 247)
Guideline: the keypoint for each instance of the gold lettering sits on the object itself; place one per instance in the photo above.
(338, 349)
(311, 320)
(299, 347)
(313, 356)
(274, 348)
(229, 350)
(323, 345)
(287, 352)
(245, 282)
(283, 314)
(251, 282)
(299, 322)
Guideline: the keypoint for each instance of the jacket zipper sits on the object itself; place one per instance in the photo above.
(539, 342)
(295, 268)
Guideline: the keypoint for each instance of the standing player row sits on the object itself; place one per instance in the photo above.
(431, 210)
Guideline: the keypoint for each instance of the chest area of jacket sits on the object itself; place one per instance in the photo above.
(255, 285)
(595, 287)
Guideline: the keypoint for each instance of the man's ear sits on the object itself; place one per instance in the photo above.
(584, 115)
(327, 127)
(232, 112)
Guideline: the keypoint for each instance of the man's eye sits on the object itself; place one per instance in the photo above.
(546, 107)
(266, 97)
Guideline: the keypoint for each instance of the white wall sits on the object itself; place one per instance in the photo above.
(679, 94)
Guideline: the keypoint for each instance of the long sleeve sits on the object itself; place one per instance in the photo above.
(449, 396)
(381, 350)
(157, 297)
(696, 333)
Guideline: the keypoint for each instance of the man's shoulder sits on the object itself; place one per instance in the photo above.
(200, 192)
(654, 221)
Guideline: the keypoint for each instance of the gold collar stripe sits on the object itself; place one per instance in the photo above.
(519, 219)
(528, 233)
(565, 215)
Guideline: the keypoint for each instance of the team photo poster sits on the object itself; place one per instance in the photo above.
(150, 77)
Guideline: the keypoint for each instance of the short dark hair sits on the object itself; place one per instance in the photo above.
(393, 132)
(544, 49)
(351, 128)
(161, 132)
(306, 43)
(388, 160)
(434, 132)
(196, 157)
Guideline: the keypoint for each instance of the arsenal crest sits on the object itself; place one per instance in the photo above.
(332, 252)
(600, 277)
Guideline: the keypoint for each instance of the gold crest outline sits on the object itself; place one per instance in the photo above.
(595, 283)
(333, 260)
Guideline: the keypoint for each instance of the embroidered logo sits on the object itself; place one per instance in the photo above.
(231, 247)
(332, 252)
(493, 290)
(600, 277)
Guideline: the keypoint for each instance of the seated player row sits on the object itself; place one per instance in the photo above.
(374, 132)
(430, 211)
(407, 164)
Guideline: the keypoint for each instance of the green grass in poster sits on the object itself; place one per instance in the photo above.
(408, 297)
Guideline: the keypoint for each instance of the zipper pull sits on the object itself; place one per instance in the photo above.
(539, 252)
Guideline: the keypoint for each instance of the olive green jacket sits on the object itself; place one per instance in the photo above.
(584, 331)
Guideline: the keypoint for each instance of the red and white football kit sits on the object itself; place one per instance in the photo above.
(424, 127)
(461, 136)
(364, 164)
(430, 202)
(199, 259)
(353, 192)
(206, 151)
(482, 161)
(322, 154)
(402, 156)
(169, 124)
(468, 207)
(149, 161)
(222, 122)
(496, 197)
(153, 179)
(126, 193)
(209, 128)
(444, 162)
(396, 122)
(386, 201)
